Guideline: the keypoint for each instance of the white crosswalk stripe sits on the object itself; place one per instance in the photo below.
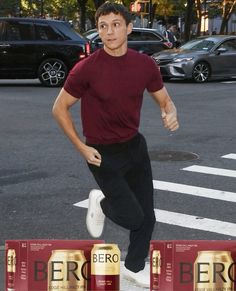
(229, 156)
(195, 222)
(187, 221)
(196, 191)
(191, 221)
(211, 171)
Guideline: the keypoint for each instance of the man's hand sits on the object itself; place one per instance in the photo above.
(91, 155)
(169, 117)
(168, 110)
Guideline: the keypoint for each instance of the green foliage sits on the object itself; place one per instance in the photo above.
(214, 9)
(165, 7)
(52, 8)
(9, 7)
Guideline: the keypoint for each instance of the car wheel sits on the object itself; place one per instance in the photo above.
(52, 72)
(201, 72)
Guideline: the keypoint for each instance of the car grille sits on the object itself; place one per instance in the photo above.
(163, 62)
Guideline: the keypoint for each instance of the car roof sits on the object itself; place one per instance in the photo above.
(216, 37)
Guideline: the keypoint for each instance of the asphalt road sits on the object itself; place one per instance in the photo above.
(42, 176)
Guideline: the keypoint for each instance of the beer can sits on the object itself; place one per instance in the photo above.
(67, 270)
(214, 270)
(156, 269)
(11, 269)
(105, 267)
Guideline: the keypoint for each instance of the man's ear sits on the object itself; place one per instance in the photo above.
(129, 28)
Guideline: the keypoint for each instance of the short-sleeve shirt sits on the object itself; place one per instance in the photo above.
(111, 92)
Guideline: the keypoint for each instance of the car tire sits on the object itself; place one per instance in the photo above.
(201, 72)
(52, 72)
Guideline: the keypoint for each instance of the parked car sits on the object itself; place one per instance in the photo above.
(200, 59)
(144, 40)
(39, 48)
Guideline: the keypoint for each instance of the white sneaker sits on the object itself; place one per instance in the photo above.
(95, 217)
(141, 278)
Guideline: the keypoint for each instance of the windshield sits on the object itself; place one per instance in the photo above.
(205, 44)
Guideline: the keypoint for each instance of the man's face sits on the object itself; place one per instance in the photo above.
(113, 31)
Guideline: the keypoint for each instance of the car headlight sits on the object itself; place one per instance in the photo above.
(178, 60)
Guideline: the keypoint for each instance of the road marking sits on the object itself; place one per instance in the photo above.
(211, 171)
(200, 223)
(228, 82)
(196, 191)
(229, 156)
(187, 221)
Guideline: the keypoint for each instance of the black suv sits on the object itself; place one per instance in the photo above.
(144, 40)
(39, 48)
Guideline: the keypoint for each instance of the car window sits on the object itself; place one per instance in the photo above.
(17, 31)
(149, 36)
(46, 32)
(65, 29)
(230, 45)
(135, 35)
(143, 35)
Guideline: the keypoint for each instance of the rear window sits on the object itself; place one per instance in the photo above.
(46, 32)
(17, 31)
(65, 29)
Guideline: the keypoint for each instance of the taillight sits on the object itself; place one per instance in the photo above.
(87, 49)
(86, 53)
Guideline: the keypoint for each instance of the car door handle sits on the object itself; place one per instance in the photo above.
(4, 45)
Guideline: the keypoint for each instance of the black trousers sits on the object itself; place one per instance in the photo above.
(125, 178)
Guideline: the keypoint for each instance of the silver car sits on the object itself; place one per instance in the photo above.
(200, 59)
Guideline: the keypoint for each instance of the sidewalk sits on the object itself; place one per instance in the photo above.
(125, 284)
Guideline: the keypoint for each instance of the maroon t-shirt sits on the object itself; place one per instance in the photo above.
(111, 92)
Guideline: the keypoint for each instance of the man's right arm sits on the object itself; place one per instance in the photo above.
(61, 112)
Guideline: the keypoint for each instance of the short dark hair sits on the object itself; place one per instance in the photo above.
(109, 7)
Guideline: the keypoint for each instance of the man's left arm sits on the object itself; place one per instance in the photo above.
(167, 107)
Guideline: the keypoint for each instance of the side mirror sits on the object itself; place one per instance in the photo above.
(221, 50)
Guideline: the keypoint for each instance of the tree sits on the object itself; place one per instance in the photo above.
(82, 11)
(228, 8)
(188, 19)
(164, 8)
(98, 3)
(199, 15)
(9, 7)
